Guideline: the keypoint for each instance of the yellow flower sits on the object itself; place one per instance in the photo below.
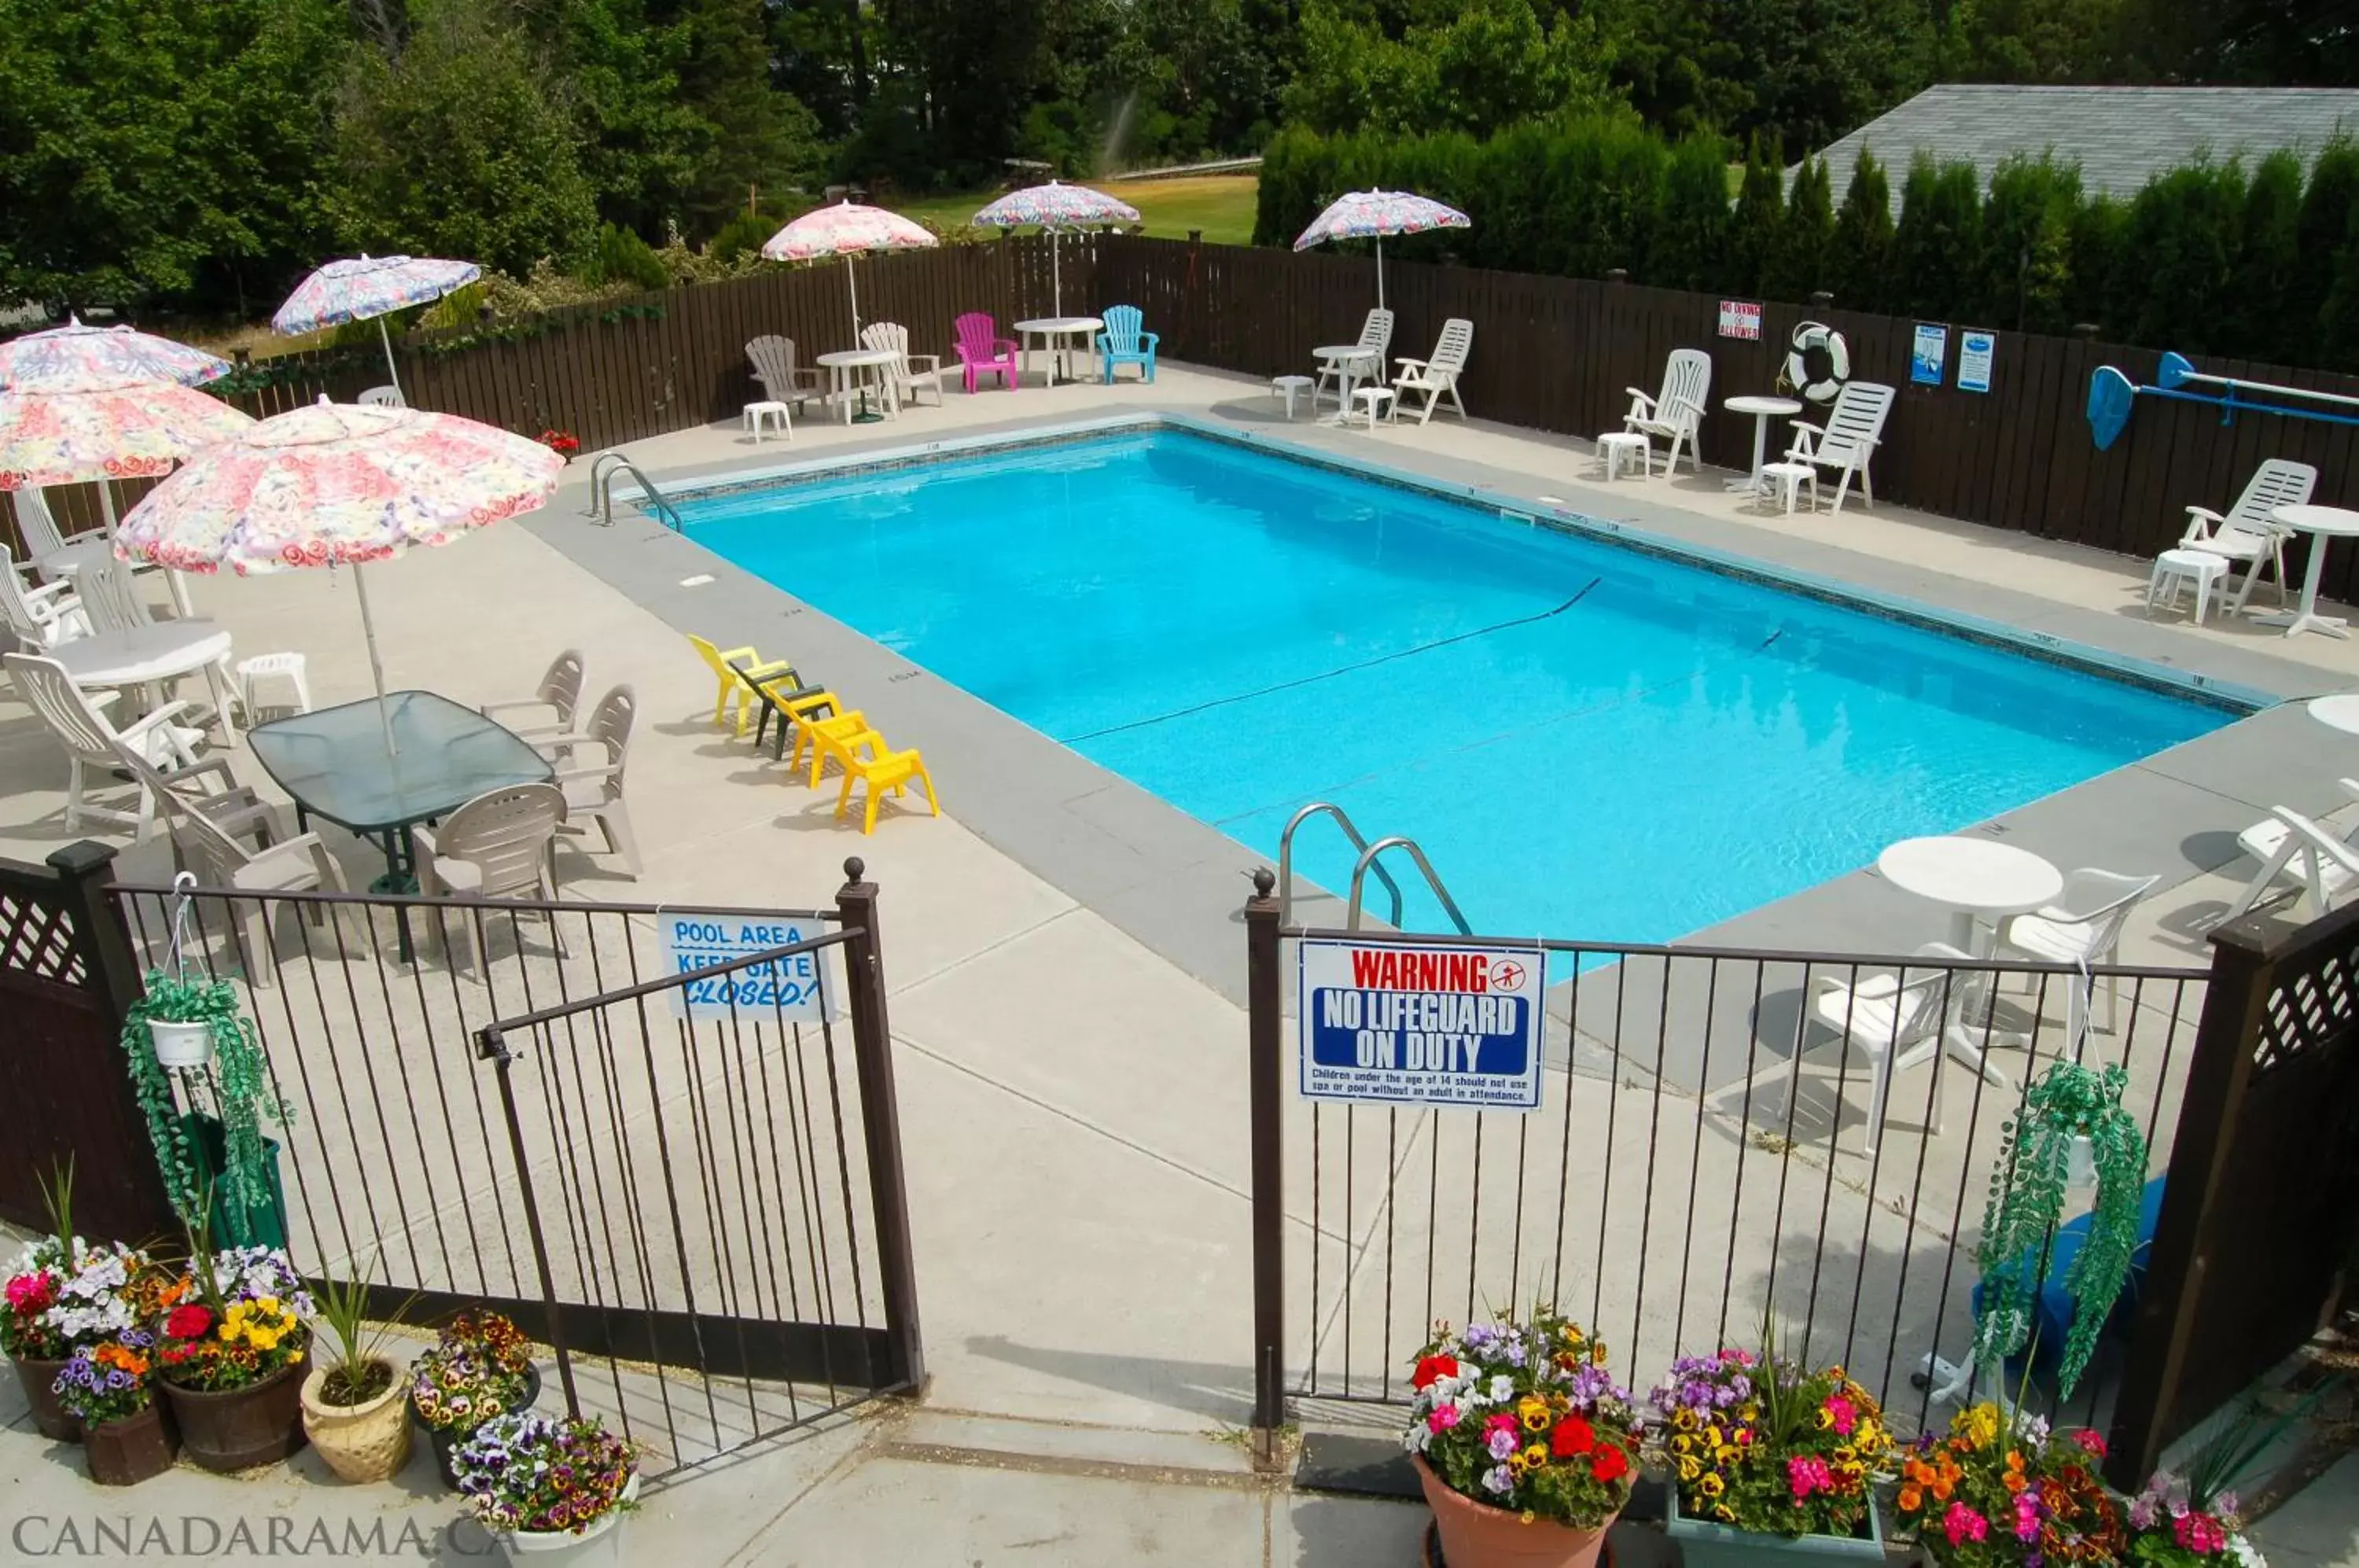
(1536, 1455)
(1597, 1353)
(1684, 1419)
(1826, 1418)
(1979, 1425)
(1845, 1454)
(1682, 1443)
(1536, 1415)
(1750, 1414)
(1712, 1435)
(1712, 1486)
(269, 1304)
(1722, 1511)
(1728, 1455)
(1689, 1469)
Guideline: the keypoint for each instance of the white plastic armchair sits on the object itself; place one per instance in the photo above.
(1677, 412)
(499, 845)
(38, 618)
(1898, 1021)
(37, 527)
(1438, 377)
(907, 377)
(381, 398)
(1849, 437)
(549, 710)
(2082, 926)
(1364, 362)
(111, 599)
(2245, 532)
(91, 741)
(773, 358)
(2290, 847)
(593, 789)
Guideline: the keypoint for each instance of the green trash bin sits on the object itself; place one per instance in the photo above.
(237, 1224)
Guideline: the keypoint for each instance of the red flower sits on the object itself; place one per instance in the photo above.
(191, 1322)
(1432, 1369)
(1609, 1463)
(2091, 1441)
(1574, 1435)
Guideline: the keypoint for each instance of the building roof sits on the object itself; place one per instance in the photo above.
(2121, 136)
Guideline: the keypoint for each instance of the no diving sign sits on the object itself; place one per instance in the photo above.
(1430, 1025)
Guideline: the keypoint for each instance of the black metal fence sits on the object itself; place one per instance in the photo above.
(697, 1207)
(1708, 1157)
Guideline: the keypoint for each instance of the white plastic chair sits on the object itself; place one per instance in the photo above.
(595, 789)
(1898, 1021)
(91, 740)
(2288, 846)
(2245, 533)
(1675, 414)
(1364, 362)
(906, 378)
(558, 694)
(110, 597)
(381, 398)
(1854, 425)
(773, 358)
(40, 617)
(2082, 926)
(1438, 377)
(500, 845)
(37, 527)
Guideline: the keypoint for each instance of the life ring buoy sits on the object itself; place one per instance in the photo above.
(1819, 363)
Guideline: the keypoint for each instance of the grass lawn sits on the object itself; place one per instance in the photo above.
(1220, 204)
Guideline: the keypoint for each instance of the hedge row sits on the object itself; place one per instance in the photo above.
(2212, 257)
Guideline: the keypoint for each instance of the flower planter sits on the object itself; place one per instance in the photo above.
(1708, 1544)
(367, 1442)
(180, 1044)
(126, 1453)
(446, 1444)
(1476, 1535)
(600, 1546)
(51, 1420)
(237, 1428)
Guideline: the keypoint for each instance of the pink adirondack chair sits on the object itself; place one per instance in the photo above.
(981, 351)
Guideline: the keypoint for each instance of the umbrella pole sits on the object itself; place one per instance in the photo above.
(851, 277)
(1056, 279)
(376, 667)
(386, 338)
(1380, 272)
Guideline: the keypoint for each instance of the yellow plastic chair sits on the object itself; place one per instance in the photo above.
(724, 663)
(825, 739)
(868, 760)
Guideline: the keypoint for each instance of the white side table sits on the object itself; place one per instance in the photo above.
(1346, 365)
(1287, 386)
(2324, 525)
(775, 416)
(1762, 410)
(2174, 566)
(1376, 401)
(1787, 479)
(2339, 712)
(1616, 446)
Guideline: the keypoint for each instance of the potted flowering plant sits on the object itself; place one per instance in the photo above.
(564, 443)
(109, 1388)
(480, 1367)
(232, 1357)
(353, 1409)
(1767, 1456)
(550, 1489)
(32, 1288)
(2000, 1493)
(2174, 1524)
(1522, 1441)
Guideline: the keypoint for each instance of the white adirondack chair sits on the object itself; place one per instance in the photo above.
(2245, 532)
(1854, 425)
(907, 377)
(1364, 362)
(773, 358)
(91, 741)
(1675, 414)
(1438, 377)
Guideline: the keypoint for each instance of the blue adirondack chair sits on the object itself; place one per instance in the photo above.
(1123, 344)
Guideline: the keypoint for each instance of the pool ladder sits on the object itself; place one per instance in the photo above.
(1370, 854)
(601, 490)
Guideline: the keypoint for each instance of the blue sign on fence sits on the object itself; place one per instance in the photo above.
(1927, 349)
(795, 989)
(1398, 1024)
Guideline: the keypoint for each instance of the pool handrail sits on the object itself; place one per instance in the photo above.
(1286, 857)
(601, 490)
(1368, 861)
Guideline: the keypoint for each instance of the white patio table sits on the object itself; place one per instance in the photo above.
(1978, 880)
(846, 369)
(1050, 329)
(141, 657)
(1349, 364)
(1762, 410)
(2324, 525)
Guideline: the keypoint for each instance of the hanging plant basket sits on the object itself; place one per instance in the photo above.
(181, 1044)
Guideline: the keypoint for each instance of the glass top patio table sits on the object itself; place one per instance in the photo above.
(334, 764)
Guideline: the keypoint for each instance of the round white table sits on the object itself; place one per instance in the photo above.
(2324, 525)
(845, 367)
(2340, 711)
(145, 656)
(1050, 329)
(1979, 880)
(1762, 410)
(1348, 363)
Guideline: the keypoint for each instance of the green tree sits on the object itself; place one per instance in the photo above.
(2270, 259)
(641, 144)
(2023, 275)
(455, 147)
(1798, 263)
(754, 136)
(1491, 66)
(2328, 203)
(1760, 214)
(1859, 267)
(2185, 230)
(1690, 231)
(2338, 317)
(2100, 292)
(1938, 239)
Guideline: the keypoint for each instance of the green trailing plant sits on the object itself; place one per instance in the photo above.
(2027, 1205)
(237, 1082)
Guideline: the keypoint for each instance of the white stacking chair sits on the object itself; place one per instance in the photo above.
(773, 358)
(1675, 414)
(92, 741)
(383, 397)
(38, 618)
(2082, 926)
(37, 526)
(500, 844)
(594, 790)
(2245, 533)
(1438, 377)
(1364, 362)
(110, 597)
(549, 710)
(2288, 846)
(1854, 425)
(907, 377)
(1898, 1021)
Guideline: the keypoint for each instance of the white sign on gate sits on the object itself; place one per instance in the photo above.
(796, 989)
(1396, 1023)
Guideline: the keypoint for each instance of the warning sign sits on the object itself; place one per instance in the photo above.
(1396, 1024)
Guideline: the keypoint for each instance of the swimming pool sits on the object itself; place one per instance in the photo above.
(1588, 739)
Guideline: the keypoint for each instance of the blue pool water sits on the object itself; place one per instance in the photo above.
(1587, 740)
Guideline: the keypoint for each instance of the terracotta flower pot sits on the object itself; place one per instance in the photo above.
(1476, 1535)
(124, 1453)
(51, 1420)
(237, 1428)
(367, 1442)
(446, 1444)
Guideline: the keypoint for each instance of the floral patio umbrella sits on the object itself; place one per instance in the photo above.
(1373, 214)
(366, 286)
(1056, 207)
(846, 229)
(78, 358)
(332, 485)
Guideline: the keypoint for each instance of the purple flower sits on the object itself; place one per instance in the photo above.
(1501, 1444)
(1499, 1479)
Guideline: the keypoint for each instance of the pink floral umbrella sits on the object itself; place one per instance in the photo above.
(75, 358)
(130, 430)
(1055, 207)
(332, 485)
(1373, 214)
(361, 287)
(846, 229)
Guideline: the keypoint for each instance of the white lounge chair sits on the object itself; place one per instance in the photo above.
(1364, 362)
(38, 618)
(2082, 926)
(2289, 853)
(549, 710)
(1898, 1021)
(594, 790)
(2245, 533)
(1854, 425)
(499, 845)
(91, 741)
(907, 377)
(1438, 377)
(1674, 414)
(773, 358)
